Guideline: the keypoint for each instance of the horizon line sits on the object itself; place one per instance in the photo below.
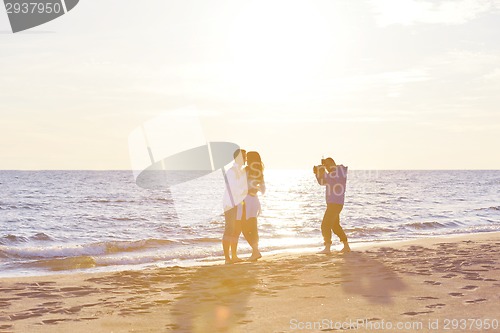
(269, 169)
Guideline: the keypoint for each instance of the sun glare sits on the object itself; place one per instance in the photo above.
(400, 12)
(277, 47)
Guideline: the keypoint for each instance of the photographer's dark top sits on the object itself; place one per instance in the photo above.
(335, 183)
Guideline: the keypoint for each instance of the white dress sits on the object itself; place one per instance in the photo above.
(251, 201)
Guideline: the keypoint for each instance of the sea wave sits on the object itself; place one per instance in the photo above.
(79, 250)
(22, 206)
(13, 239)
(125, 218)
(63, 264)
(112, 260)
(202, 240)
(168, 200)
(84, 262)
(363, 232)
(492, 208)
(104, 201)
(430, 225)
(41, 237)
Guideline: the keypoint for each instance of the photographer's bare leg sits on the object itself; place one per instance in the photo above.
(326, 230)
(337, 229)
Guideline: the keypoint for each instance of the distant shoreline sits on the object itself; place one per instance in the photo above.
(209, 262)
(276, 169)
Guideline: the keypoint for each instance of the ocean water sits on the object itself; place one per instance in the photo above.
(68, 221)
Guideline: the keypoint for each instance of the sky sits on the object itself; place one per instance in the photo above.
(376, 84)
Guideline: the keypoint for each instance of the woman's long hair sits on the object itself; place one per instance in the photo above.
(255, 167)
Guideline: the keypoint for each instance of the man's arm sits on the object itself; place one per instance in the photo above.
(229, 179)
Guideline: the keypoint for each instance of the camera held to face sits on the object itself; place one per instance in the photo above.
(321, 167)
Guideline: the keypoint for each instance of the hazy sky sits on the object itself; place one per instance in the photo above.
(377, 84)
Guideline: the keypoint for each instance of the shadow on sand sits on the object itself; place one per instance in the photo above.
(214, 299)
(369, 278)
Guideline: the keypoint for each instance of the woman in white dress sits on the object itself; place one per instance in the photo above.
(250, 209)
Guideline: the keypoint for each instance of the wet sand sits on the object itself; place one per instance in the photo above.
(418, 284)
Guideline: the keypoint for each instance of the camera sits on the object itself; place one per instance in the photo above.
(322, 166)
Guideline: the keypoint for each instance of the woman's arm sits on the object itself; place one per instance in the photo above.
(262, 186)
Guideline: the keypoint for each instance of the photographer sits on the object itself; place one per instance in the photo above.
(334, 178)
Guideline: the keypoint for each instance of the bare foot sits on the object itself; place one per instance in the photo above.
(326, 250)
(255, 257)
(346, 249)
(236, 259)
(228, 262)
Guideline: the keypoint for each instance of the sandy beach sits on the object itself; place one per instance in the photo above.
(426, 285)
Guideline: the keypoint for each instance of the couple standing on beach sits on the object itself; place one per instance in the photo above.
(241, 204)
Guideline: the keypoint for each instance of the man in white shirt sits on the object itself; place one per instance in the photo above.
(236, 191)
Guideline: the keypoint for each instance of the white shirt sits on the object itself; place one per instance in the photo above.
(237, 180)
